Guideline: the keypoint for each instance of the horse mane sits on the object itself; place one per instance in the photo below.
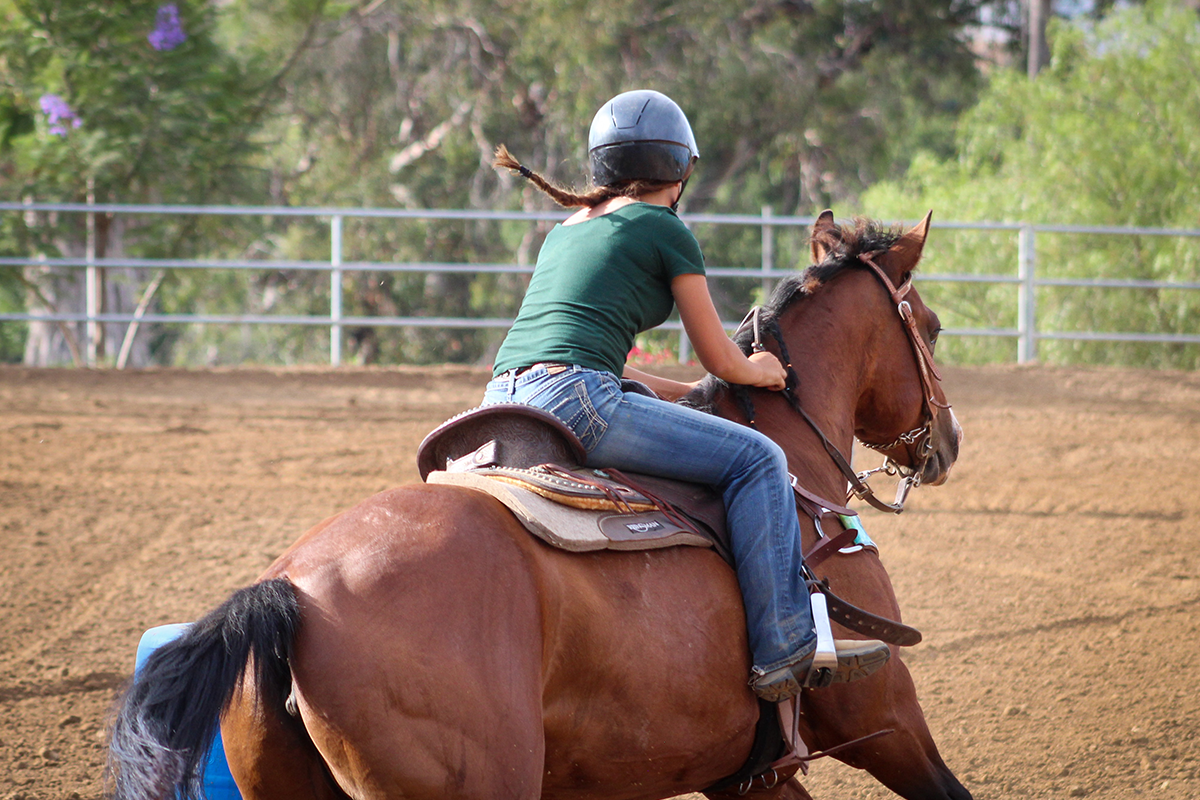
(843, 245)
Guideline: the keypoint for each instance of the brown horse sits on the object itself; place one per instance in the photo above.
(422, 644)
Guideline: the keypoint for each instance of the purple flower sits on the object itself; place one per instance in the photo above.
(58, 114)
(168, 32)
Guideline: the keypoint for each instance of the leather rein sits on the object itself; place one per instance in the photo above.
(910, 477)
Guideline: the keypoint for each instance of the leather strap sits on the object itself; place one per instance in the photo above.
(837, 748)
(925, 363)
(819, 504)
(797, 751)
(667, 510)
(856, 619)
(553, 367)
(828, 546)
(858, 487)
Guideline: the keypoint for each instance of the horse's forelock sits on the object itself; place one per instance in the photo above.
(843, 245)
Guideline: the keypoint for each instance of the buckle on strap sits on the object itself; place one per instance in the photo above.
(751, 317)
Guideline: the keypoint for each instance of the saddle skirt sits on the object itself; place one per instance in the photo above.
(560, 522)
(517, 454)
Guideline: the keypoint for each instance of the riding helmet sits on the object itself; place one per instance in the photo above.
(641, 135)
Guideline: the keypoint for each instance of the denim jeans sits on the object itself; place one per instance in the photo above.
(636, 433)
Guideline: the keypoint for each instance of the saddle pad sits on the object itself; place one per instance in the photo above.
(575, 529)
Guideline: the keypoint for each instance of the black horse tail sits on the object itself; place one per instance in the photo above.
(167, 718)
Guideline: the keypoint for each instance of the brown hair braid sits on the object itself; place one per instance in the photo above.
(572, 199)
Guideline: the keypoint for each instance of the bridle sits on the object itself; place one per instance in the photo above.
(921, 437)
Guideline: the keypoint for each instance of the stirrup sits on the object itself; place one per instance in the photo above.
(856, 659)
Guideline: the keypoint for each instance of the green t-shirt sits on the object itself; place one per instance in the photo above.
(597, 285)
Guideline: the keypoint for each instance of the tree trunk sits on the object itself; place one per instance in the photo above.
(1039, 49)
(61, 289)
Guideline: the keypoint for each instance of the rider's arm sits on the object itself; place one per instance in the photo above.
(715, 350)
(665, 388)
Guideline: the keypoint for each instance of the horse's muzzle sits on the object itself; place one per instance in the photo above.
(947, 436)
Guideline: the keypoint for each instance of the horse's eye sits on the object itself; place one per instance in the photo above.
(933, 336)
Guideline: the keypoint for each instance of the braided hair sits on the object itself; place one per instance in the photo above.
(568, 198)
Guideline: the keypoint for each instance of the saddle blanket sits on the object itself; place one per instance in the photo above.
(577, 529)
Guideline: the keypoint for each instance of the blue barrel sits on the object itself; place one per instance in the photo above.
(218, 782)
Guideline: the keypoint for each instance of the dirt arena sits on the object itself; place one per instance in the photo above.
(1055, 576)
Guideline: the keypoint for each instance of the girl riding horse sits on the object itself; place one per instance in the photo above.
(613, 269)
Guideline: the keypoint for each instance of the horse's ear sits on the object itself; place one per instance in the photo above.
(824, 232)
(908, 248)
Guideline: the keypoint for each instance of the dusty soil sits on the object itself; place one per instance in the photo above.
(1055, 576)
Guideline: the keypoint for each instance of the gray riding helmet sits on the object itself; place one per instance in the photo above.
(641, 135)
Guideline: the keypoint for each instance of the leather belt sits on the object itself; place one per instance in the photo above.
(553, 367)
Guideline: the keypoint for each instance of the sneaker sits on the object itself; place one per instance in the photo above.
(856, 658)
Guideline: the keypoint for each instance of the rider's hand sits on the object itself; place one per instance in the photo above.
(773, 373)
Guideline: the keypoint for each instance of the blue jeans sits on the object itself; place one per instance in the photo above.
(636, 433)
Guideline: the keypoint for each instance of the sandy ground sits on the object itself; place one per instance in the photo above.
(1055, 576)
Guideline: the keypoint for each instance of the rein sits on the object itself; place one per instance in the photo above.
(910, 477)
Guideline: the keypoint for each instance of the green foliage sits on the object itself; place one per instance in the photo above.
(172, 125)
(147, 119)
(12, 300)
(400, 102)
(1105, 136)
(793, 105)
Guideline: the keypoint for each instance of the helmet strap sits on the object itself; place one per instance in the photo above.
(682, 186)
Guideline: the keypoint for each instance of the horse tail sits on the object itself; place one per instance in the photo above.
(167, 718)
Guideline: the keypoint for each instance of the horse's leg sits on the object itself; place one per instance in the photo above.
(793, 790)
(418, 667)
(910, 764)
(906, 761)
(270, 754)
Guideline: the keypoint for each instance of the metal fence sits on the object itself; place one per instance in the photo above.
(1026, 332)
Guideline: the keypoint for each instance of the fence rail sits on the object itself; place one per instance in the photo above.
(1026, 332)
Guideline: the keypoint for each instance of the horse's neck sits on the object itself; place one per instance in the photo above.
(828, 392)
(807, 458)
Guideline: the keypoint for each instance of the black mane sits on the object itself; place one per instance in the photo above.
(844, 245)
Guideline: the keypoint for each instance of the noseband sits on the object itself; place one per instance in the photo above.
(910, 477)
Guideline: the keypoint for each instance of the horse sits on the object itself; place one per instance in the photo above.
(422, 644)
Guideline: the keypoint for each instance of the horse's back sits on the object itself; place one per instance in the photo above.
(440, 639)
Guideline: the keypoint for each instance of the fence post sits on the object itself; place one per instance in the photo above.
(685, 347)
(1027, 350)
(768, 251)
(91, 291)
(685, 344)
(335, 290)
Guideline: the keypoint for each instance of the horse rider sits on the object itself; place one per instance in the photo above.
(613, 269)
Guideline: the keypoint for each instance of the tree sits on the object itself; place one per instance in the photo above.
(382, 102)
(1104, 136)
(794, 105)
(131, 102)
